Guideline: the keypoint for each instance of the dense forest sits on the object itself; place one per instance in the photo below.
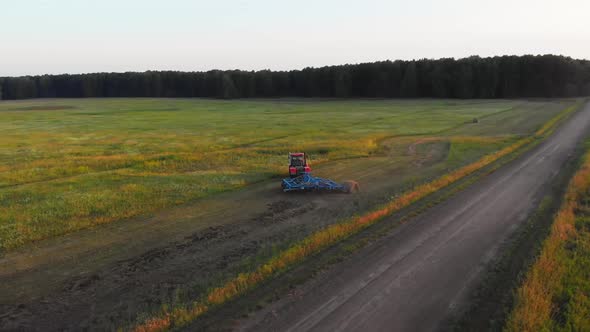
(473, 77)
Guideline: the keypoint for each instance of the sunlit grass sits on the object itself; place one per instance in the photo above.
(555, 295)
(96, 161)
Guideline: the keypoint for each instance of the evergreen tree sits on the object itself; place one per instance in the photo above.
(473, 77)
(409, 86)
(228, 89)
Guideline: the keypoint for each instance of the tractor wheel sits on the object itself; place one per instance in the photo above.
(351, 187)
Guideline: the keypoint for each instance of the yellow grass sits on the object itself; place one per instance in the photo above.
(535, 299)
(477, 139)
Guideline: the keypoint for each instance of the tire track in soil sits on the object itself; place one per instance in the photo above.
(116, 293)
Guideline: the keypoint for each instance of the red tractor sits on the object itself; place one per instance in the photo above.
(300, 178)
(298, 164)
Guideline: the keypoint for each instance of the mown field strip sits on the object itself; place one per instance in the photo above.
(328, 236)
(554, 295)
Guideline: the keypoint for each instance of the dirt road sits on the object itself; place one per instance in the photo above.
(421, 273)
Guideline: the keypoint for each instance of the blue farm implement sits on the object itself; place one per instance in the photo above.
(300, 178)
(307, 182)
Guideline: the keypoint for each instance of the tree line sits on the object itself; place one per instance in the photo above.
(473, 77)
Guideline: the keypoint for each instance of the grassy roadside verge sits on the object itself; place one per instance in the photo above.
(556, 292)
(329, 236)
(490, 303)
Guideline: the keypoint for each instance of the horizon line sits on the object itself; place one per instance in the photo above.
(295, 69)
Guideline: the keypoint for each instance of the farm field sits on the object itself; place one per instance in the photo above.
(67, 165)
(157, 198)
(444, 262)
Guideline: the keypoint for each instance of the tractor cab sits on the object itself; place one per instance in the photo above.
(298, 164)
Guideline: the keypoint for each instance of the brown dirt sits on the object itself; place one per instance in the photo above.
(103, 278)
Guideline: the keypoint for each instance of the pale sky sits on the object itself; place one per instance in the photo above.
(80, 36)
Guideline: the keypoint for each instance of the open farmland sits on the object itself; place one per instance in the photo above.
(67, 165)
(166, 177)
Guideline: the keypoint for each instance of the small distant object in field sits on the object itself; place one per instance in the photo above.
(475, 120)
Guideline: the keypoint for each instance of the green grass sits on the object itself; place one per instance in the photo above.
(575, 299)
(66, 165)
